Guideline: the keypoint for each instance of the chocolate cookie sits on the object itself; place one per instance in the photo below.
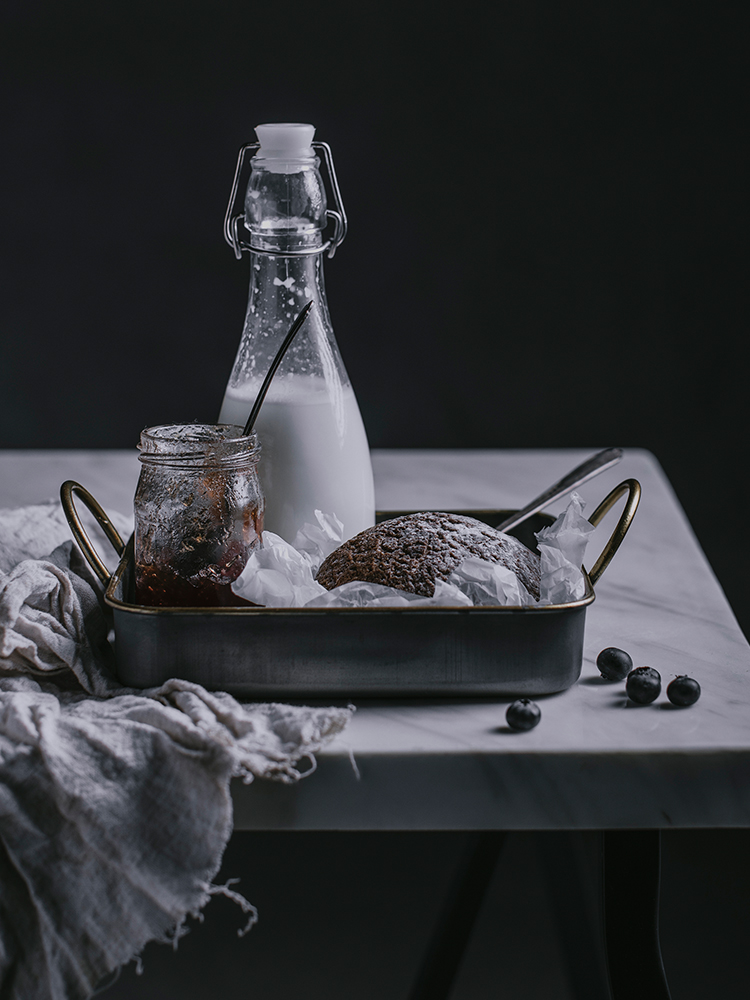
(413, 551)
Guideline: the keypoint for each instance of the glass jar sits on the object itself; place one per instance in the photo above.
(198, 514)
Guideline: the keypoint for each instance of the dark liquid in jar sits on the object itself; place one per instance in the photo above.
(195, 578)
(158, 586)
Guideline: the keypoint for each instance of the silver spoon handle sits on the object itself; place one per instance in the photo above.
(587, 470)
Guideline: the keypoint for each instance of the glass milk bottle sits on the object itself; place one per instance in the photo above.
(314, 447)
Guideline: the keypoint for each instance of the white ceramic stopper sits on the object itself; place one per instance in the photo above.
(285, 140)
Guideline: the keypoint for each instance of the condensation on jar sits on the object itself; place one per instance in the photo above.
(198, 514)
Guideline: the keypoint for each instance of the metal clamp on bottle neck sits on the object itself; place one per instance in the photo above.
(233, 219)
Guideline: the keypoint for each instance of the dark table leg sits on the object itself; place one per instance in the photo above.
(632, 869)
(631, 877)
(571, 863)
(451, 935)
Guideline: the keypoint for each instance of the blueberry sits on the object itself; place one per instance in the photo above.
(614, 663)
(643, 685)
(683, 691)
(523, 714)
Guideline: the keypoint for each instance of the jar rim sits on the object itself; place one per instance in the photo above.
(198, 444)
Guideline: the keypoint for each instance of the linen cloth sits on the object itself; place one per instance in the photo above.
(114, 803)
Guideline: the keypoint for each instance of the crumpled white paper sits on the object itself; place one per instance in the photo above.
(562, 546)
(485, 582)
(282, 575)
(359, 594)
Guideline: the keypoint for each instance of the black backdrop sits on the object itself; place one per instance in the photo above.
(544, 204)
(544, 251)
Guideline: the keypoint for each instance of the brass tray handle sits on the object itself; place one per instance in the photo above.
(633, 488)
(67, 490)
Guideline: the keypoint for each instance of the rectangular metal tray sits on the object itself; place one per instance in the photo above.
(297, 653)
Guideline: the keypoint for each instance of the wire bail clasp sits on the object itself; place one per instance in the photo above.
(233, 219)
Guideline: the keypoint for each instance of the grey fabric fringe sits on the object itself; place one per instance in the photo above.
(115, 806)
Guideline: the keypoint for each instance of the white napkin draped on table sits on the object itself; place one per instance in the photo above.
(114, 803)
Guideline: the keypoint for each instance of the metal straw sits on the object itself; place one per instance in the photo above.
(274, 365)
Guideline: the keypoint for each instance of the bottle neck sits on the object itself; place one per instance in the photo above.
(279, 288)
(285, 205)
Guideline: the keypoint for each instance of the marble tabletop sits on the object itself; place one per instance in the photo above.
(595, 760)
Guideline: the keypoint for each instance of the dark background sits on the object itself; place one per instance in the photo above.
(546, 205)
